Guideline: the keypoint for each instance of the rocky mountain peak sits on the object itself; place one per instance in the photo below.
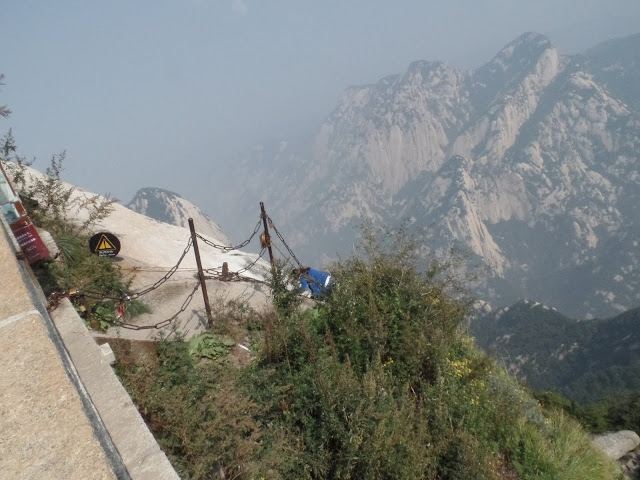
(530, 163)
(519, 54)
(169, 207)
(526, 45)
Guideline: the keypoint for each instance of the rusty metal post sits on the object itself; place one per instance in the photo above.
(225, 271)
(203, 285)
(267, 237)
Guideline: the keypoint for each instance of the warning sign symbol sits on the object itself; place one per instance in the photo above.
(104, 244)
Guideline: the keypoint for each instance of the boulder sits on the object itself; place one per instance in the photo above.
(616, 444)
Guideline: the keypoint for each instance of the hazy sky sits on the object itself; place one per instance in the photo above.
(151, 93)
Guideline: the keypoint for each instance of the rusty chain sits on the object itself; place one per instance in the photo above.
(252, 264)
(287, 259)
(243, 269)
(236, 247)
(273, 227)
(214, 274)
(144, 291)
(217, 274)
(231, 277)
(164, 323)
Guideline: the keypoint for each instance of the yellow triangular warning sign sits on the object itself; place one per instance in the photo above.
(105, 244)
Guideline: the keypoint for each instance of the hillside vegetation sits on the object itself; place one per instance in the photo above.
(584, 360)
(53, 207)
(376, 381)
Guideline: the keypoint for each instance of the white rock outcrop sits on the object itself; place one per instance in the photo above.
(531, 163)
(616, 444)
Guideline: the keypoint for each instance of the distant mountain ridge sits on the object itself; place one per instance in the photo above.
(169, 207)
(585, 360)
(530, 163)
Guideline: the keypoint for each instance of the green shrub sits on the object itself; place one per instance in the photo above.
(195, 411)
(375, 382)
(565, 452)
(206, 345)
(365, 381)
(284, 289)
(378, 381)
(613, 413)
(52, 206)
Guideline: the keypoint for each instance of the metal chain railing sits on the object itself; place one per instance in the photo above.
(55, 297)
(252, 264)
(164, 323)
(235, 276)
(273, 227)
(236, 247)
(287, 259)
(213, 273)
(144, 291)
(150, 269)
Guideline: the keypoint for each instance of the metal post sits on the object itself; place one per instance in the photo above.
(267, 237)
(225, 271)
(203, 285)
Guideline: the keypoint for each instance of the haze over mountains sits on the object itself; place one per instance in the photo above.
(529, 162)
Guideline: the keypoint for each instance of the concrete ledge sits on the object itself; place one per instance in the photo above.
(49, 429)
(44, 433)
(135, 443)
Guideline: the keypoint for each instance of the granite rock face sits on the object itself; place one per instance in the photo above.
(616, 444)
(530, 163)
(169, 207)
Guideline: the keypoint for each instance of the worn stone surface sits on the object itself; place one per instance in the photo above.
(14, 297)
(616, 444)
(137, 447)
(45, 430)
(150, 248)
(107, 353)
(169, 207)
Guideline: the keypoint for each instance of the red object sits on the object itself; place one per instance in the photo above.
(120, 309)
(25, 232)
(30, 242)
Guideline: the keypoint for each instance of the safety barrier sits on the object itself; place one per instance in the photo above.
(220, 273)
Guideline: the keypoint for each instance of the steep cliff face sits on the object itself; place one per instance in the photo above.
(531, 163)
(168, 207)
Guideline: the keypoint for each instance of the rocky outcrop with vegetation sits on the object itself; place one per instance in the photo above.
(375, 381)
